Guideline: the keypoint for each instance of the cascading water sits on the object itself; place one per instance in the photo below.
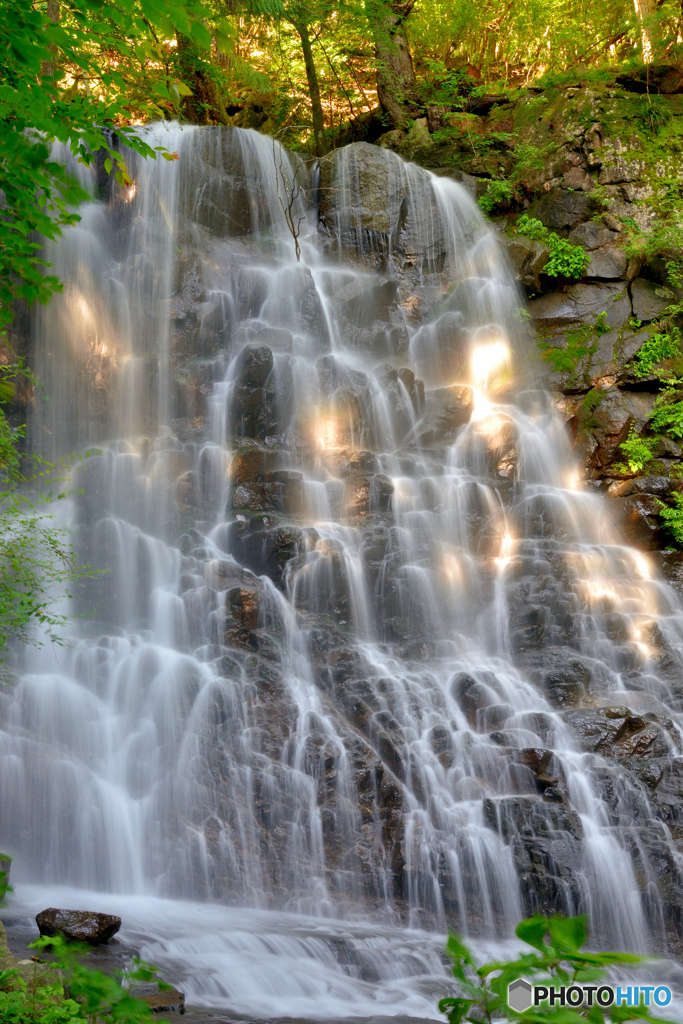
(352, 594)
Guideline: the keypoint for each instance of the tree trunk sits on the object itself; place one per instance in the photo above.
(396, 83)
(205, 105)
(49, 66)
(646, 11)
(313, 88)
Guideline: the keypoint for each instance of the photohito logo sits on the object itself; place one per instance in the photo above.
(522, 995)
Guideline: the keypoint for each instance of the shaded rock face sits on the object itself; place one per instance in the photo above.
(78, 925)
(362, 641)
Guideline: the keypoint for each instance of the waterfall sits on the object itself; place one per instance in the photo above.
(353, 607)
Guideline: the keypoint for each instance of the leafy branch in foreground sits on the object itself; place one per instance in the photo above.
(65, 79)
(558, 958)
(88, 995)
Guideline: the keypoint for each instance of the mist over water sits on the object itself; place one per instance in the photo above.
(344, 548)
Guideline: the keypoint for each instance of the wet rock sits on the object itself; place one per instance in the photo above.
(252, 464)
(649, 299)
(281, 490)
(562, 209)
(638, 517)
(380, 211)
(253, 400)
(671, 566)
(254, 365)
(442, 348)
(528, 258)
(592, 236)
(608, 263)
(581, 304)
(473, 696)
(668, 796)
(78, 925)
(494, 716)
(166, 1000)
(611, 419)
(511, 815)
(362, 302)
(446, 410)
(220, 190)
(265, 551)
(277, 339)
(566, 687)
(614, 731)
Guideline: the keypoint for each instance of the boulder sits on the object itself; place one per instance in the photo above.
(221, 189)
(582, 304)
(649, 299)
(446, 410)
(592, 236)
(614, 731)
(561, 209)
(609, 262)
(78, 925)
(442, 348)
(528, 258)
(253, 365)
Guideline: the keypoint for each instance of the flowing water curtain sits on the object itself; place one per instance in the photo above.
(310, 676)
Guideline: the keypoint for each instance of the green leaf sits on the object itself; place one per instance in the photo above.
(568, 933)
(533, 931)
(455, 1009)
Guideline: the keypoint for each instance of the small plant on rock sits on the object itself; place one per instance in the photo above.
(90, 995)
(673, 518)
(668, 413)
(637, 451)
(497, 194)
(660, 347)
(566, 260)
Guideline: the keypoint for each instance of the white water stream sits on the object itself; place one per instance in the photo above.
(340, 734)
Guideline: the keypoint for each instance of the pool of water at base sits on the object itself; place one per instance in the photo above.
(240, 964)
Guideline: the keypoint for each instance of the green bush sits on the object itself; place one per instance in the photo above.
(673, 518)
(668, 411)
(637, 450)
(483, 988)
(566, 260)
(657, 349)
(90, 995)
(497, 193)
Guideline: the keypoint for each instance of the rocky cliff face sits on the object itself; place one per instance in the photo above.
(363, 643)
(598, 162)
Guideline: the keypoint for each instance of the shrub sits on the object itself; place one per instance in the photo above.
(668, 412)
(673, 518)
(92, 996)
(566, 260)
(497, 193)
(637, 450)
(483, 988)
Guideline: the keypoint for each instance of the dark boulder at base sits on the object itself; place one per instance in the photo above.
(78, 925)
